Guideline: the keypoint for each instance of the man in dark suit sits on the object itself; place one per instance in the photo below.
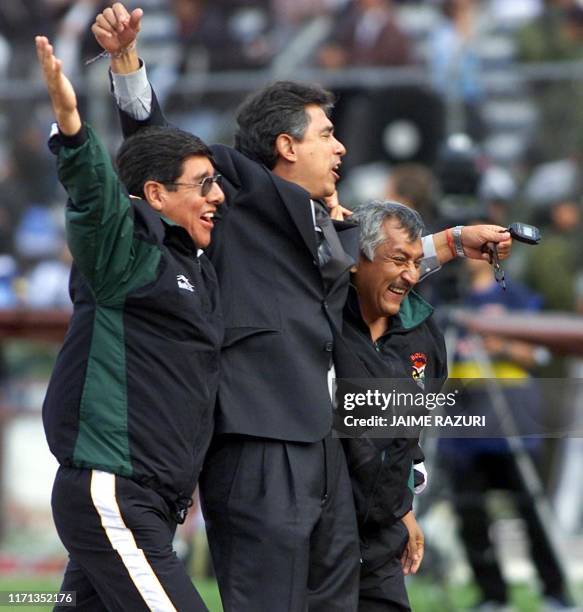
(275, 488)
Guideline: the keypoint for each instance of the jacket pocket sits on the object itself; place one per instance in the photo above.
(233, 335)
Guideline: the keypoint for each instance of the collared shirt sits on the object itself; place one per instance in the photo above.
(133, 93)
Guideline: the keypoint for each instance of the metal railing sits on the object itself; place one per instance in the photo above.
(346, 78)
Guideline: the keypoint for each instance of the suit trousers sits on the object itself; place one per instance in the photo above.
(281, 525)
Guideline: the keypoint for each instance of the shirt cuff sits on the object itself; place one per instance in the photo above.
(133, 92)
(430, 263)
(428, 246)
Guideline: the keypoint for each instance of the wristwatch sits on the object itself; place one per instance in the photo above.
(456, 233)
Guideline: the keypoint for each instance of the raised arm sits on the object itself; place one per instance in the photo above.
(116, 30)
(472, 239)
(98, 221)
(61, 92)
(441, 247)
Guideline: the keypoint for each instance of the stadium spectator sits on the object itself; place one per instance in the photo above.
(553, 35)
(556, 35)
(475, 466)
(415, 186)
(47, 283)
(454, 64)
(13, 201)
(19, 22)
(292, 13)
(497, 191)
(366, 35)
(559, 251)
(232, 35)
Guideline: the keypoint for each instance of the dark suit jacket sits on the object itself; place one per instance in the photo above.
(280, 319)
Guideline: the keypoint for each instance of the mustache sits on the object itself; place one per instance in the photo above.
(404, 285)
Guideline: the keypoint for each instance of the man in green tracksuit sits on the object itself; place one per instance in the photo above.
(129, 408)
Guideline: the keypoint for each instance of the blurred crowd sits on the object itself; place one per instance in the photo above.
(521, 139)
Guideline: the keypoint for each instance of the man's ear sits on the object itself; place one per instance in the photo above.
(361, 262)
(285, 147)
(155, 194)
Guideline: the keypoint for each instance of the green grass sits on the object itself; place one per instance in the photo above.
(426, 596)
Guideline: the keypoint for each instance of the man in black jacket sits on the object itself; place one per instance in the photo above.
(275, 488)
(388, 334)
(129, 409)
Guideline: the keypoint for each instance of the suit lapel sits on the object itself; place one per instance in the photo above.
(297, 202)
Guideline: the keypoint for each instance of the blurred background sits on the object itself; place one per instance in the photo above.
(467, 110)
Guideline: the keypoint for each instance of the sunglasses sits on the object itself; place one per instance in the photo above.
(205, 185)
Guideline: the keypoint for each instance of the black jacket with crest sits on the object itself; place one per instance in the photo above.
(412, 354)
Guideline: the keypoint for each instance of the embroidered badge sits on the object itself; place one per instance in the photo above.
(184, 283)
(418, 365)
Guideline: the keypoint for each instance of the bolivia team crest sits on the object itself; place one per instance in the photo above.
(418, 364)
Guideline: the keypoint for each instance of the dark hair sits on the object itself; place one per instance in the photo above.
(449, 8)
(371, 218)
(277, 109)
(575, 14)
(415, 184)
(156, 154)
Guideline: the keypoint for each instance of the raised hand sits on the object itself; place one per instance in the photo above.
(474, 239)
(336, 210)
(116, 30)
(61, 92)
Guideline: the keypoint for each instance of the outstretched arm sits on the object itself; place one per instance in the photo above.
(61, 92)
(440, 248)
(473, 239)
(98, 220)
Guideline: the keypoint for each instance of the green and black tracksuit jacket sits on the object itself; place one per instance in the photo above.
(412, 353)
(133, 389)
